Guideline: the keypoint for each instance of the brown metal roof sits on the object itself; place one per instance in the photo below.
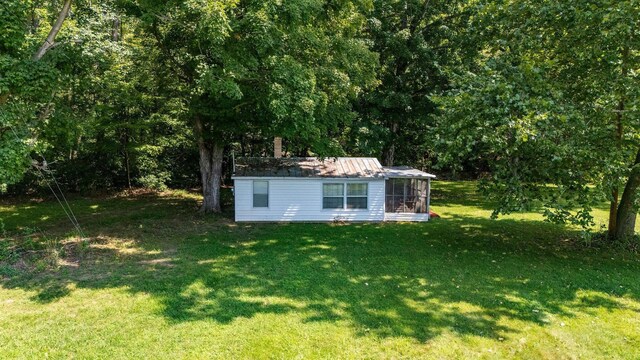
(341, 167)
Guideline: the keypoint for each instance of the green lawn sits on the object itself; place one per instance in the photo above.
(157, 280)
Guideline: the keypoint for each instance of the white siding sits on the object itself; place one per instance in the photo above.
(295, 199)
(406, 217)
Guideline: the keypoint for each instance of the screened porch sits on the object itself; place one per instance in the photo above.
(407, 194)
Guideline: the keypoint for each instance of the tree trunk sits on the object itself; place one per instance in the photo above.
(116, 31)
(126, 157)
(390, 150)
(50, 40)
(613, 214)
(626, 217)
(389, 154)
(210, 170)
(613, 208)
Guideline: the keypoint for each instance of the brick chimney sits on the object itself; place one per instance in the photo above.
(277, 147)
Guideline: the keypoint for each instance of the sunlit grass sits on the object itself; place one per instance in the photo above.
(157, 280)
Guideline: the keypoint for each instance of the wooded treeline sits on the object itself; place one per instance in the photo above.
(538, 99)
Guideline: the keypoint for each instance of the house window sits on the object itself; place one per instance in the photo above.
(332, 196)
(335, 197)
(357, 196)
(260, 194)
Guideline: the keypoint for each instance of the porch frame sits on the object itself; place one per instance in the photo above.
(408, 216)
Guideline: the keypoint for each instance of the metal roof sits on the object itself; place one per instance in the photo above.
(341, 167)
(406, 172)
(311, 167)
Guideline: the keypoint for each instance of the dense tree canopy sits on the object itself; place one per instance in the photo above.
(288, 69)
(540, 99)
(420, 43)
(553, 100)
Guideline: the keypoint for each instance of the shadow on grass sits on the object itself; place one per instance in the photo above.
(460, 193)
(462, 274)
(51, 292)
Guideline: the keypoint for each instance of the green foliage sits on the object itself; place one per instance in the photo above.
(543, 105)
(93, 106)
(275, 69)
(7, 252)
(113, 103)
(540, 99)
(13, 153)
(27, 82)
(12, 18)
(420, 42)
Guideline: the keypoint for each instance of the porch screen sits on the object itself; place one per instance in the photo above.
(406, 196)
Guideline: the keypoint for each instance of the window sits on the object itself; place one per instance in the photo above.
(335, 197)
(357, 196)
(332, 196)
(260, 194)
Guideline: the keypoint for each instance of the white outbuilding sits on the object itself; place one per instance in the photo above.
(329, 189)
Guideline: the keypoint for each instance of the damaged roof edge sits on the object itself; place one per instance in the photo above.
(329, 167)
(399, 172)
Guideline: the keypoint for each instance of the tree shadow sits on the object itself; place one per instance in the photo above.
(461, 274)
(51, 292)
(459, 193)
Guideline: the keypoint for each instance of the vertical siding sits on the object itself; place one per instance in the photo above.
(293, 199)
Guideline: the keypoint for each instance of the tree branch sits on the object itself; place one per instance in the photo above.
(51, 38)
(416, 21)
(444, 19)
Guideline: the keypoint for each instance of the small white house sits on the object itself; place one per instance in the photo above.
(331, 189)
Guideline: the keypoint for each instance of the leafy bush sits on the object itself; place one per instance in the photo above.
(28, 248)
(7, 270)
(7, 252)
(157, 181)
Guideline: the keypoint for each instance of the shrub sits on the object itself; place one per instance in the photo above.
(156, 181)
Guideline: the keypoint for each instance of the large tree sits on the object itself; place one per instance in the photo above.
(419, 43)
(28, 31)
(76, 86)
(553, 101)
(285, 68)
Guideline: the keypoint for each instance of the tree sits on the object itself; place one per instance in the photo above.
(78, 87)
(113, 125)
(288, 69)
(554, 100)
(419, 42)
(24, 81)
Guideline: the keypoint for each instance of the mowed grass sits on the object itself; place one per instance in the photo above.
(158, 280)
